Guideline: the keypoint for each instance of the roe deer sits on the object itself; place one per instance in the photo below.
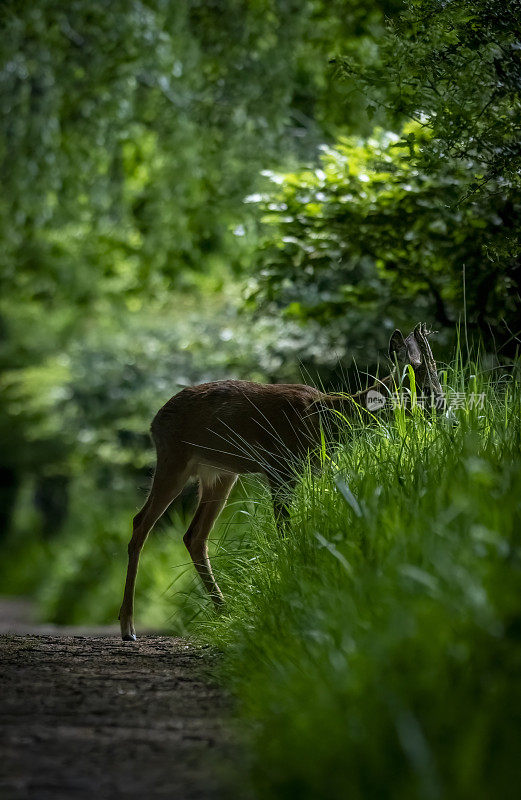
(217, 431)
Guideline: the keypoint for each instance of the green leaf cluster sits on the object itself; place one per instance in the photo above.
(372, 238)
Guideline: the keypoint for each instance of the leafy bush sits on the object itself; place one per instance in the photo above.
(368, 240)
(454, 67)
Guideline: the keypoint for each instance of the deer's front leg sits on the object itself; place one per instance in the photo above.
(126, 612)
(167, 484)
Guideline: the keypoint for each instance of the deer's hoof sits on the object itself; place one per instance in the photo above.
(129, 637)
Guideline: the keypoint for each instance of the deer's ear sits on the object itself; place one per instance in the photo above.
(397, 347)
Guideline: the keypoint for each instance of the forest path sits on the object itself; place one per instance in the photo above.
(86, 716)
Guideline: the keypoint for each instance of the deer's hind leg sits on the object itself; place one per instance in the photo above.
(169, 479)
(213, 493)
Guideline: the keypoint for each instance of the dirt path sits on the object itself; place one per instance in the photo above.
(90, 716)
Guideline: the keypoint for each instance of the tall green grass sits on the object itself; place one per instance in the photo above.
(376, 651)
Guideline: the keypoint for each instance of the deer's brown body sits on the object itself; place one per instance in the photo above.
(217, 431)
(238, 426)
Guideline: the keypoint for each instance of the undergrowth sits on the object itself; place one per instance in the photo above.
(376, 651)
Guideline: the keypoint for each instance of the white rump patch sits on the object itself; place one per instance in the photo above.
(209, 475)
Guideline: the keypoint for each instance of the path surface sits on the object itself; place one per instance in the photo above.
(88, 716)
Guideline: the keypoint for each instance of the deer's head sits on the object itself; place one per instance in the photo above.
(415, 350)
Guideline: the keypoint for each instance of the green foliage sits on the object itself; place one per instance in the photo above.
(456, 68)
(378, 235)
(374, 651)
(129, 135)
(369, 240)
